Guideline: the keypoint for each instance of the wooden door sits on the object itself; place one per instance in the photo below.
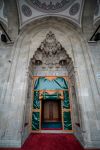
(51, 111)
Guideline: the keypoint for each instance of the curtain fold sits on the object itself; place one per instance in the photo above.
(58, 83)
(43, 83)
(35, 120)
(36, 102)
(66, 103)
(54, 96)
(67, 121)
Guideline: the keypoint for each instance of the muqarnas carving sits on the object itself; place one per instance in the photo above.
(50, 53)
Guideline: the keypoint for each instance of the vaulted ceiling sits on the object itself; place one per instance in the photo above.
(29, 10)
(32, 9)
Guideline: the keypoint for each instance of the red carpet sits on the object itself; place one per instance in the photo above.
(49, 142)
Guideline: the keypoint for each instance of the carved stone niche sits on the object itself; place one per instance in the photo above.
(50, 53)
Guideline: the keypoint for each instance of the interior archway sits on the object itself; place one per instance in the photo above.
(52, 71)
(25, 47)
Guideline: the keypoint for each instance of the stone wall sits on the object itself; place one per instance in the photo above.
(15, 106)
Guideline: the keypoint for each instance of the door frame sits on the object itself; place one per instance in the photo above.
(58, 105)
(62, 110)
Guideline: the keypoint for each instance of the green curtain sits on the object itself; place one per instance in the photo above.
(43, 83)
(66, 103)
(36, 102)
(54, 96)
(35, 120)
(67, 121)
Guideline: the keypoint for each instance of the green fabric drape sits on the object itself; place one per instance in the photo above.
(54, 96)
(35, 120)
(43, 83)
(36, 102)
(66, 103)
(67, 121)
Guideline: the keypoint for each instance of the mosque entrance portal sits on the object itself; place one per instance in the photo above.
(51, 72)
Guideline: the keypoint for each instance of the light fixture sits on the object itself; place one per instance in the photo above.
(97, 37)
(3, 38)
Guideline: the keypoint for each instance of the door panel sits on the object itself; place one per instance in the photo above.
(51, 111)
(56, 111)
(46, 111)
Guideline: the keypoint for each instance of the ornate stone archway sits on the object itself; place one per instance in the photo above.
(50, 54)
(51, 61)
(16, 92)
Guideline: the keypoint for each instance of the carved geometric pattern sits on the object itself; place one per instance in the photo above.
(26, 10)
(49, 6)
(50, 53)
(74, 9)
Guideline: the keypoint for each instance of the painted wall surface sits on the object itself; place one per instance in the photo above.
(31, 10)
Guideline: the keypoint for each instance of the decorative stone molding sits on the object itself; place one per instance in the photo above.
(51, 53)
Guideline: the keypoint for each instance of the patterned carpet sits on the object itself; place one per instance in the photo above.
(50, 142)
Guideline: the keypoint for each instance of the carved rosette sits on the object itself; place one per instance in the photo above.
(50, 53)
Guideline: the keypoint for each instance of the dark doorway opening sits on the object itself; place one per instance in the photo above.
(51, 114)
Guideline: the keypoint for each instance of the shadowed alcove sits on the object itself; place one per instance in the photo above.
(52, 83)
